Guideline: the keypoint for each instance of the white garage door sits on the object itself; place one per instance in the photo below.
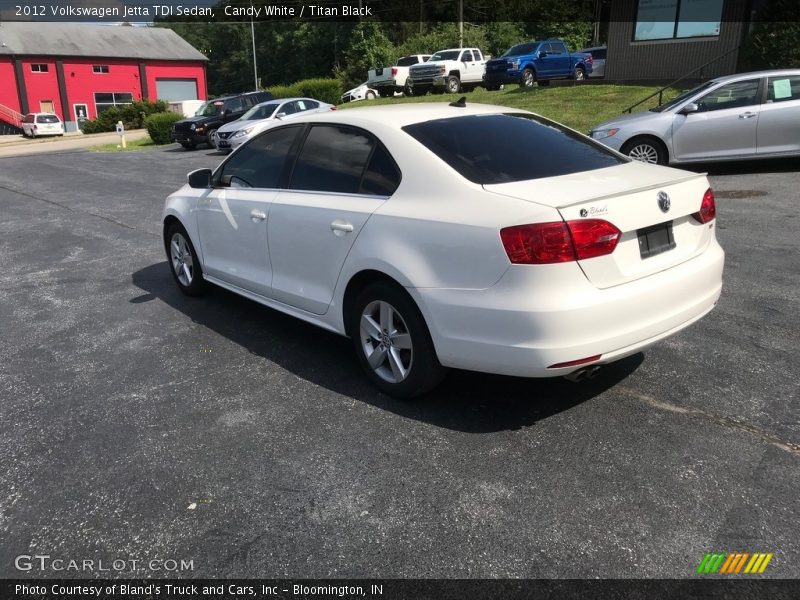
(176, 89)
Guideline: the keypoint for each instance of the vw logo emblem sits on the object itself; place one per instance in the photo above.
(663, 201)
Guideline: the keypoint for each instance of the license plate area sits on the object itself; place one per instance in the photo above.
(655, 239)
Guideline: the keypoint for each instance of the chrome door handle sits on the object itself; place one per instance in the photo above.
(342, 226)
(257, 215)
(747, 115)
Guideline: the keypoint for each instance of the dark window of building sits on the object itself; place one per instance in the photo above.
(260, 163)
(100, 68)
(40, 68)
(105, 100)
(333, 159)
(675, 19)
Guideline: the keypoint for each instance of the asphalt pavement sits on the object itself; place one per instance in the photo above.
(137, 424)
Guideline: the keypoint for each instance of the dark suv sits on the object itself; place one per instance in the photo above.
(212, 115)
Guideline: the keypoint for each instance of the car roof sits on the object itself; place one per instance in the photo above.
(399, 115)
(769, 73)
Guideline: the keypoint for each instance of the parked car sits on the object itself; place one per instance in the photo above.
(360, 92)
(212, 115)
(389, 80)
(36, 124)
(452, 70)
(232, 135)
(749, 115)
(598, 61)
(427, 234)
(537, 62)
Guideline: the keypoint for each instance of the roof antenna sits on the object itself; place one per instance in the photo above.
(460, 103)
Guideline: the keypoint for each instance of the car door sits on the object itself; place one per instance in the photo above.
(724, 125)
(338, 181)
(779, 121)
(559, 59)
(543, 64)
(232, 218)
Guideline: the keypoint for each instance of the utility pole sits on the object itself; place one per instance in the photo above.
(253, 37)
(460, 23)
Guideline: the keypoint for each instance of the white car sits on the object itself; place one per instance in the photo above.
(262, 116)
(361, 92)
(477, 237)
(36, 124)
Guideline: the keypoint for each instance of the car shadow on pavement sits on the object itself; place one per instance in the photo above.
(466, 401)
(746, 167)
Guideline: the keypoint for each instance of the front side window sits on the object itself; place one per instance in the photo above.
(260, 163)
(671, 19)
(260, 111)
(732, 95)
(501, 148)
(234, 104)
(333, 159)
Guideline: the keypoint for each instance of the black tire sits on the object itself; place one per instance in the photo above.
(579, 74)
(422, 369)
(527, 78)
(187, 145)
(210, 138)
(646, 149)
(452, 84)
(196, 284)
(370, 95)
(408, 90)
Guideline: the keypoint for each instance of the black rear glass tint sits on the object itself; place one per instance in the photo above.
(501, 148)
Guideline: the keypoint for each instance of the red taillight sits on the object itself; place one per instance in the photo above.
(708, 209)
(394, 71)
(593, 237)
(547, 243)
(590, 59)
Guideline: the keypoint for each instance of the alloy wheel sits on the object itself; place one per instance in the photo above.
(182, 262)
(386, 341)
(645, 153)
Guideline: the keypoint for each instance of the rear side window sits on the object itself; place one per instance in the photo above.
(599, 54)
(47, 119)
(333, 159)
(382, 176)
(783, 88)
(501, 148)
(260, 163)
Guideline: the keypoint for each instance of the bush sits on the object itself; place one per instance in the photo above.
(159, 126)
(324, 90)
(132, 116)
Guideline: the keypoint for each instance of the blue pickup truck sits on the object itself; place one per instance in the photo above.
(533, 62)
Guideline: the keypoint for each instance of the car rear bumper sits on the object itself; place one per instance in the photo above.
(538, 316)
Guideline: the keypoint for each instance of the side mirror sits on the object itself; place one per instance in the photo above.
(542, 53)
(689, 108)
(200, 179)
(280, 115)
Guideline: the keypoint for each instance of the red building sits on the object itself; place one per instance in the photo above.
(76, 70)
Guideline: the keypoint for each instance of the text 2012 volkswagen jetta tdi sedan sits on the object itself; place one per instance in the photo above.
(436, 236)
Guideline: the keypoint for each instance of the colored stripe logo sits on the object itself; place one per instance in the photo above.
(734, 563)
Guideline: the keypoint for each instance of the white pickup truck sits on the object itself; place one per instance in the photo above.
(452, 70)
(389, 80)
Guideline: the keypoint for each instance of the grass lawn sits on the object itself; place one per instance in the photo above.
(144, 143)
(579, 106)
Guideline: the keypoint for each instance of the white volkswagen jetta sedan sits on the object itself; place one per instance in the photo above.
(435, 235)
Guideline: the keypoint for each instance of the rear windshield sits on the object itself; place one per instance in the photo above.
(47, 119)
(502, 148)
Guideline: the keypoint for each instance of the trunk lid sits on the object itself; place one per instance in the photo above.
(627, 196)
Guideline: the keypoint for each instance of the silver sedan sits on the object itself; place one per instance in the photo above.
(744, 116)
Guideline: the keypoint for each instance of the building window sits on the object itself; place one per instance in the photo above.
(100, 68)
(105, 100)
(40, 68)
(677, 19)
